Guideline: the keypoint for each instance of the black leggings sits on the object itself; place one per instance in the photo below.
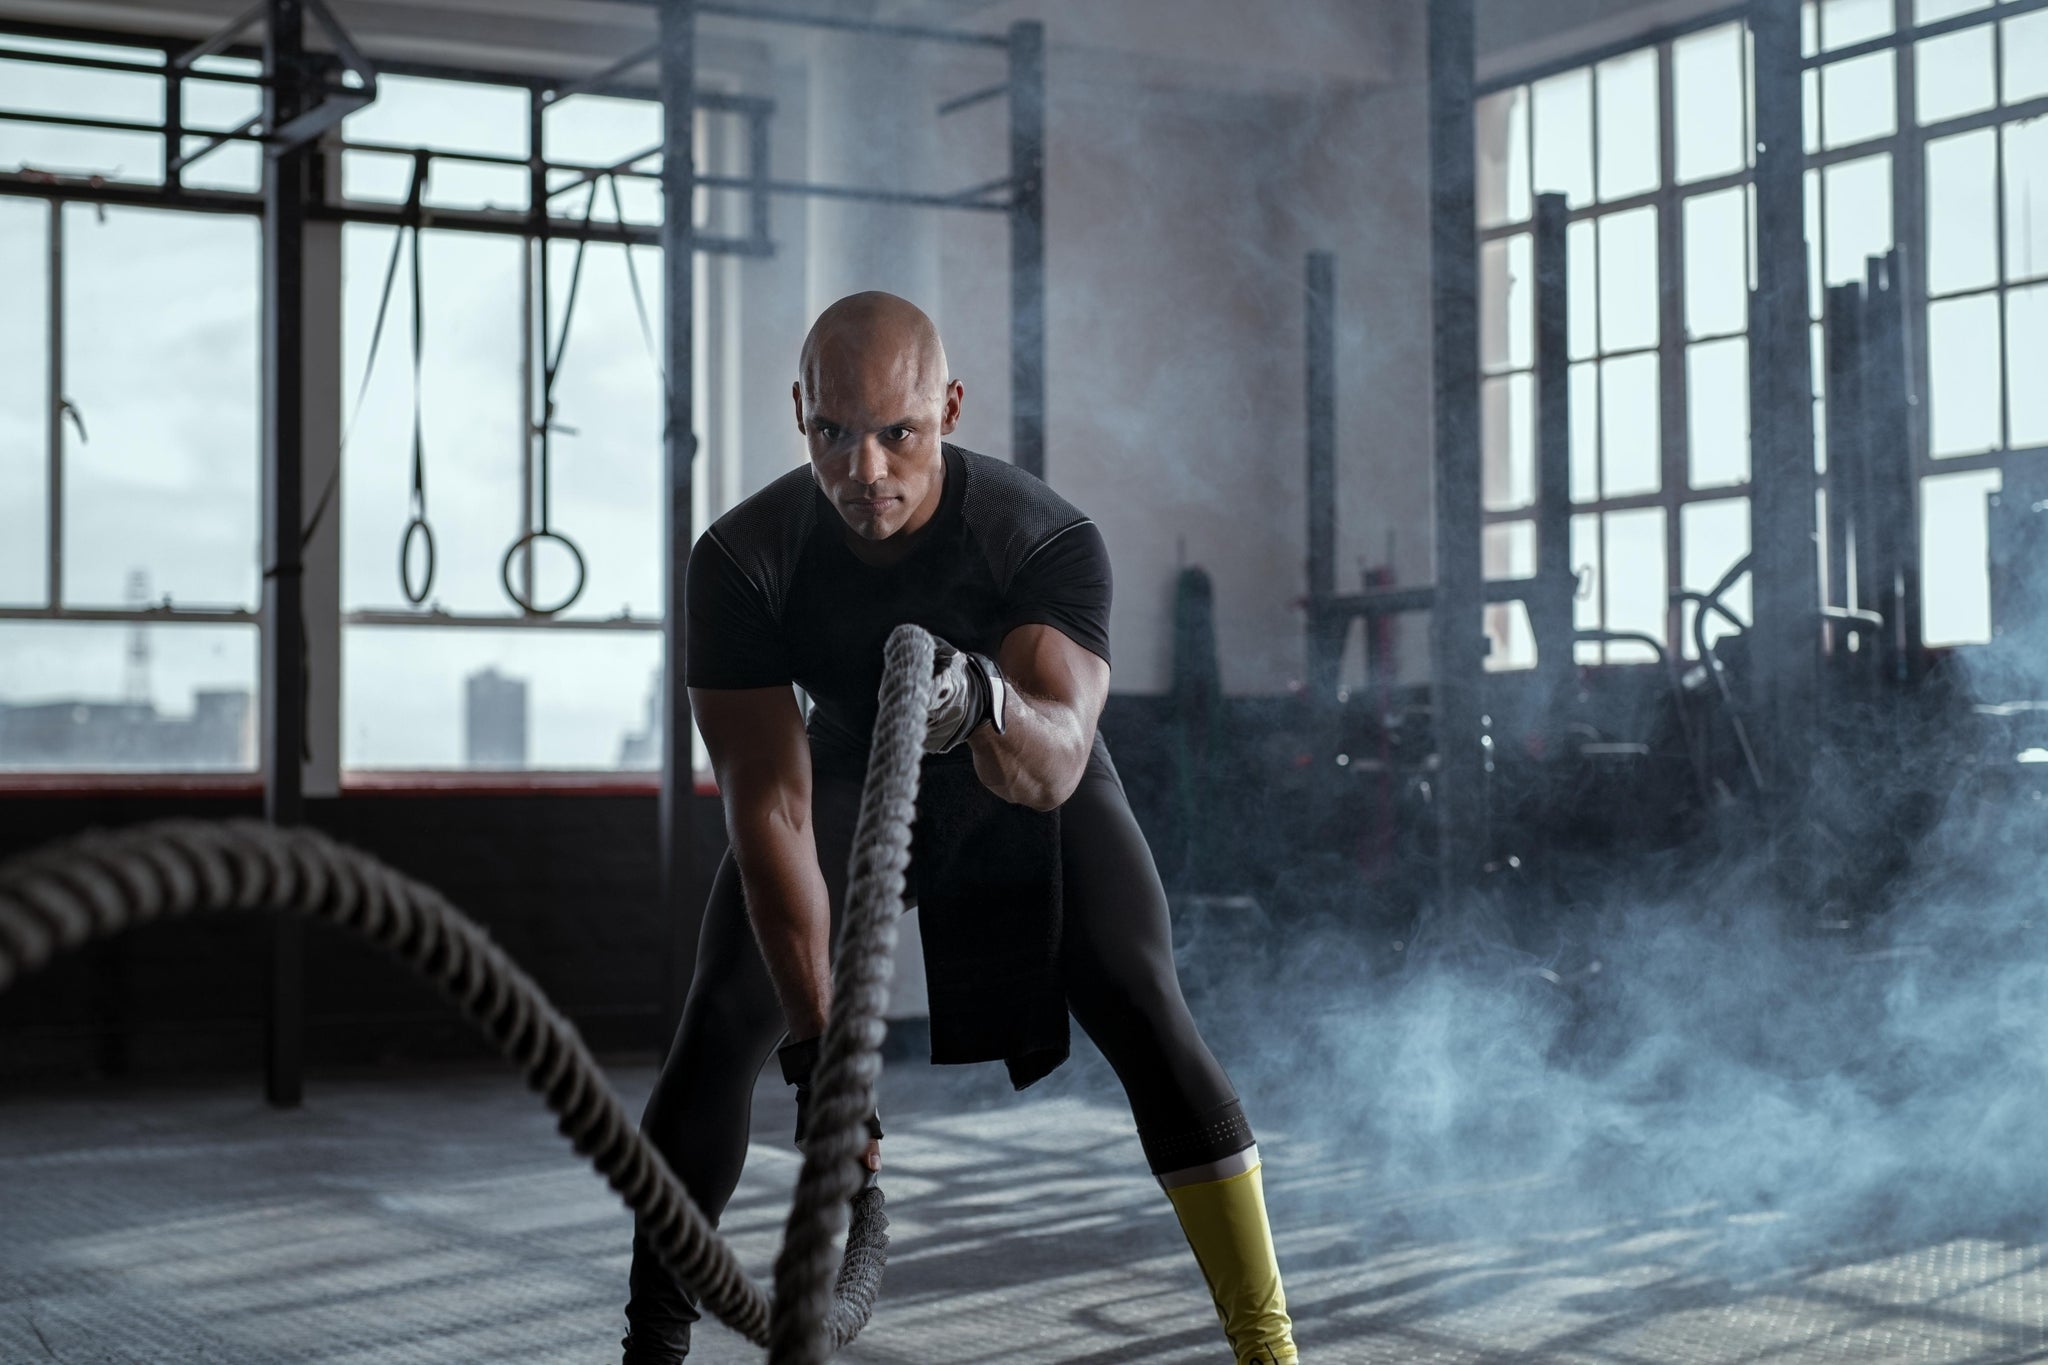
(1116, 956)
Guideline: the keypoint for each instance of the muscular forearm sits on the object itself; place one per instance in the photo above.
(791, 913)
(1038, 760)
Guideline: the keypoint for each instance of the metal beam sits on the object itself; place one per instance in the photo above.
(1457, 641)
(1325, 633)
(678, 23)
(286, 186)
(1027, 246)
(1786, 568)
(1550, 608)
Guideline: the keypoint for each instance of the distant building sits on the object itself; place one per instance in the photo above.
(494, 720)
(97, 735)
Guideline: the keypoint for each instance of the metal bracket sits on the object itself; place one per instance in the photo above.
(339, 99)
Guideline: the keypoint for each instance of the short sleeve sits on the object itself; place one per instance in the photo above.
(733, 640)
(1065, 584)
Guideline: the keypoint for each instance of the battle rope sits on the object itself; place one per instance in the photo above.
(99, 884)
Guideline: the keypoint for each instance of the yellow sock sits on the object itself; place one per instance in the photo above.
(1225, 1223)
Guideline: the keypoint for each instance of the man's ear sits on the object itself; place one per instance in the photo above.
(796, 398)
(956, 393)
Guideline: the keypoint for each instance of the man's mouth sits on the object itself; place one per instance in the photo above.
(869, 504)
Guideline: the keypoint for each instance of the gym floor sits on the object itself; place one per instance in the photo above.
(436, 1216)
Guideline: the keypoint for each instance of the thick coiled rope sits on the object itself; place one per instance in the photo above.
(57, 899)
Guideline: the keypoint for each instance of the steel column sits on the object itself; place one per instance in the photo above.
(1785, 564)
(1027, 246)
(1457, 640)
(285, 193)
(1325, 632)
(1847, 519)
(1550, 607)
(678, 54)
(1894, 479)
(59, 406)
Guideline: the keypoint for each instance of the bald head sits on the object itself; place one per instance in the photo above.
(873, 333)
(874, 400)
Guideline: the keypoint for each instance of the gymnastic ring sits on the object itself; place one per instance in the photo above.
(417, 526)
(512, 551)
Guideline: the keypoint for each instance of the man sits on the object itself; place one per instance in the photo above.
(802, 583)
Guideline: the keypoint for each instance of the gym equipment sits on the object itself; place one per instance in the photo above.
(59, 898)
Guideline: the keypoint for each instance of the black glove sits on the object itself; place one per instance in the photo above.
(798, 1061)
(962, 696)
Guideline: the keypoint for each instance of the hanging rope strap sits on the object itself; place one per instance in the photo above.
(58, 899)
(418, 525)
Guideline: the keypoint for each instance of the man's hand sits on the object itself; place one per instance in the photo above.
(960, 697)
(798, 1061)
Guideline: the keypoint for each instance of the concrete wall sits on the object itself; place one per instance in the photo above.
(1190, 168)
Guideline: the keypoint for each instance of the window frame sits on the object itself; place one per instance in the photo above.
(1906, 146)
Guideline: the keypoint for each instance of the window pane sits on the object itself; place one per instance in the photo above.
(1716, 272)
(1585, 443)
(1508, 424)
(1954, 75)
(607, 459)
(1816, 231)
(1708, 92)
(1927, 11)
(1843, 22)
(406, 698)
(1859, 197)
(1586, 604)
(1963, 375)
(456, 116)
(44, 88)
(1509, 549)
(2026, 361)
(470, 398)
(1712, 537)
(1962, 224)
(1628, 124)
(97, 698)
(24, 401)
(1629, 426)
(599, 130)
(2026, 198)
(160, 361)
(1636, 579)
(1717, 413)
(127, 157)
(1511, 641)
(1582, 260)
(2026, 56)
(219, 106)
(1507, 289)
(1628, 280)
(1564, 136)
(1955, 582)
(1502, 123)
(1858, 100)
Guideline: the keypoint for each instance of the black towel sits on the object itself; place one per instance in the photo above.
(987, 875)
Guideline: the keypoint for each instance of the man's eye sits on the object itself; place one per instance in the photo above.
(827, 431)
(899, 433)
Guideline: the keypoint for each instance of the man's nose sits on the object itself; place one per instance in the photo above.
(870, 463)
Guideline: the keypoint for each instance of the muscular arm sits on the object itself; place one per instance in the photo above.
(1057, 690)
(763, 765)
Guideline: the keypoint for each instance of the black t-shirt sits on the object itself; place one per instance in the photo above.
(774, 595)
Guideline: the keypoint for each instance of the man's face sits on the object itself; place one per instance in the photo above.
(873, 419)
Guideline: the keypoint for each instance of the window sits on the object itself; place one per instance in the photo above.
(1934, 105)
(129, 454)
(130, 451)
